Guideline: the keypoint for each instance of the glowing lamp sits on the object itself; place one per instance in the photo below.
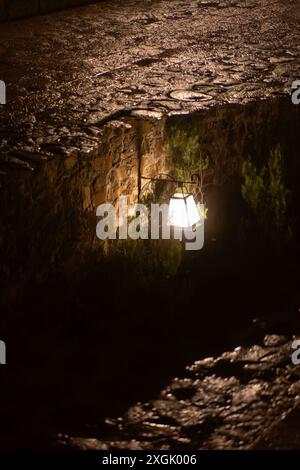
(183, 211)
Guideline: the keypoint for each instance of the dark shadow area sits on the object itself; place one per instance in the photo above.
(87, 347)
(15, 9)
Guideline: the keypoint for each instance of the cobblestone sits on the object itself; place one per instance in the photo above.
(76, 69)
(213, 407)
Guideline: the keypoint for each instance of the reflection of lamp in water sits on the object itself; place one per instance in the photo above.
(183, 211)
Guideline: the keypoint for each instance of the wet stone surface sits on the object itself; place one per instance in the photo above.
(221, 403)
(71, 71)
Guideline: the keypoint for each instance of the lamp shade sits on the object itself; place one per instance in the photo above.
(183, 211)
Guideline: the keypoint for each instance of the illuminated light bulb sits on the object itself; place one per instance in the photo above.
(183, 211)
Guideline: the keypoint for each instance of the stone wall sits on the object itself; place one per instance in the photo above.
(49, 200)
(12, 9)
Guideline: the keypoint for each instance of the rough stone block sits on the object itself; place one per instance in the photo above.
(99, 197)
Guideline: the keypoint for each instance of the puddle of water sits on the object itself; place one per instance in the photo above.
(147, 114)
(189, 95)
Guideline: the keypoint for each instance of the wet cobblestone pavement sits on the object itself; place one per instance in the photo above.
(69, 71)
(230, 402)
